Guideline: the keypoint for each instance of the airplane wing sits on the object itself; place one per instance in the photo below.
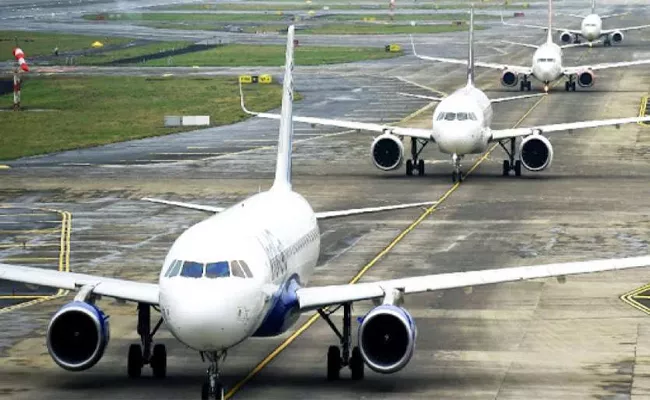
(629, 28)
(356, 211)
(419, 96)
(511, 98)
(359, 126)
(532, 46)
(575, 31)
(581, 44)
(311, 298)
(191, 206)
(122, 289)
(597, 67)
(613, 15)
(502, 67)
(500, 134)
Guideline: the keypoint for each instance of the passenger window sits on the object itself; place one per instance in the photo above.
(217, 270)
(176, 267)
(237, 270)
(192, 269)
(450, 116)
(244, 266)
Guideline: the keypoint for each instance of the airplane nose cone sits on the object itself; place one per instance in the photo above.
(208, 315)
(458, 138)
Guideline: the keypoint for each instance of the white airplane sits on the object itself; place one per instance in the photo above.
(460, 126)
(546, 65)
(591, 29)
(243, 272)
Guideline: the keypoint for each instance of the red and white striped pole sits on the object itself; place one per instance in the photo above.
(22, 67)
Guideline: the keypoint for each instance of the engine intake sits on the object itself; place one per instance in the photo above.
(509, 78)
(616, 37)
(536, 153)
(77, 336)
(566, 37)
(387, 152)
(586, 79)
(387, 338)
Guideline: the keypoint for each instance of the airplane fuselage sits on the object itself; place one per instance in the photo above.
(591, 27)
(547, 63)
(210, 303)
(461, 122)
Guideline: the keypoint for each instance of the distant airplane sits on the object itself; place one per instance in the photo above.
(591, 29)
(546, 65)
(460, 126)
(243, 273)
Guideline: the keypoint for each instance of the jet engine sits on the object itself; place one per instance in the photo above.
(387, 338)
(77, 336)
(586, 79)
(567, 37)
(509, 78)
(536, 152)
(616, 36)
(387, 152)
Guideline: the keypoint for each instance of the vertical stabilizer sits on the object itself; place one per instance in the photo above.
(593, 6)
(283, 166)
(470, 54)
(549, 33)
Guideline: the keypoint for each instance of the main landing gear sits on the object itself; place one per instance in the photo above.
(607, 43)
(415, 163)
(525, 84)
(337, 359)
(212, 387)
(570, 84)
(511, 164)
(141, 354)
(456, 175)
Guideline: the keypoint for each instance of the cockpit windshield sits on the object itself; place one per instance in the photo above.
(459, 116)
(212, 270)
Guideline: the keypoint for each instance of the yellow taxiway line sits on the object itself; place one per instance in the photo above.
(307, 324)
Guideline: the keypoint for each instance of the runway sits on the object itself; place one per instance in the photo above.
(536, 340)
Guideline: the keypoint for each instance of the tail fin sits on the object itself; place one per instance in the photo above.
(549, 33)
(470, 55)
(283, 166)
(593, 6)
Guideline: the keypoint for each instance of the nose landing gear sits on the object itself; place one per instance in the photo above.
(212, 389)
(456, 175)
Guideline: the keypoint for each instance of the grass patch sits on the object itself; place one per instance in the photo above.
(269, 55)
(135, 51)
(187, 17)
(319, 6)
(90, 111)
(37, 44)
(383, 29)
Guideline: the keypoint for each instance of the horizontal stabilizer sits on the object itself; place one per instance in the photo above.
(368, 210)
(186, 205)
(532, 46)
(511, 98)
(419, 96)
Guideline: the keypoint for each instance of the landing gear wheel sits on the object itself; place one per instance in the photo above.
(333, 363)
(567, 86)
(420, 167)
(529, 85)
(522, 86)
(206, 395)
(159, 361)
(607, 43)
(506, 168)
(409, 168)
(134, 361)
(517, 168)
(356, 364)
(205, 391)
(456, 176)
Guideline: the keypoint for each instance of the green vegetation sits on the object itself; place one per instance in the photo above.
(135, 51)
(383, 29)
(36, 44)
(90, 111)
(259, 55)
(180, 17)
(317, 5)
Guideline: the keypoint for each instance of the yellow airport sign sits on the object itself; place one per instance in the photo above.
(393, 48)
(266, 78)
(245, 79)
(97, 45)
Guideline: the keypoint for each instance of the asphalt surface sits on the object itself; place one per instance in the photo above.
(535, 340)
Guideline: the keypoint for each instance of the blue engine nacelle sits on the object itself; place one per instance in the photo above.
(387, 338)
(77, 336)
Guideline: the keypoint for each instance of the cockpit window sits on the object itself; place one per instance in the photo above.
(462, 116)
(192, 269)
(450, 116)
(237, 270)
(440, 116)
(244, 266)
(218, 269)
(472, 116)
(174, 268)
